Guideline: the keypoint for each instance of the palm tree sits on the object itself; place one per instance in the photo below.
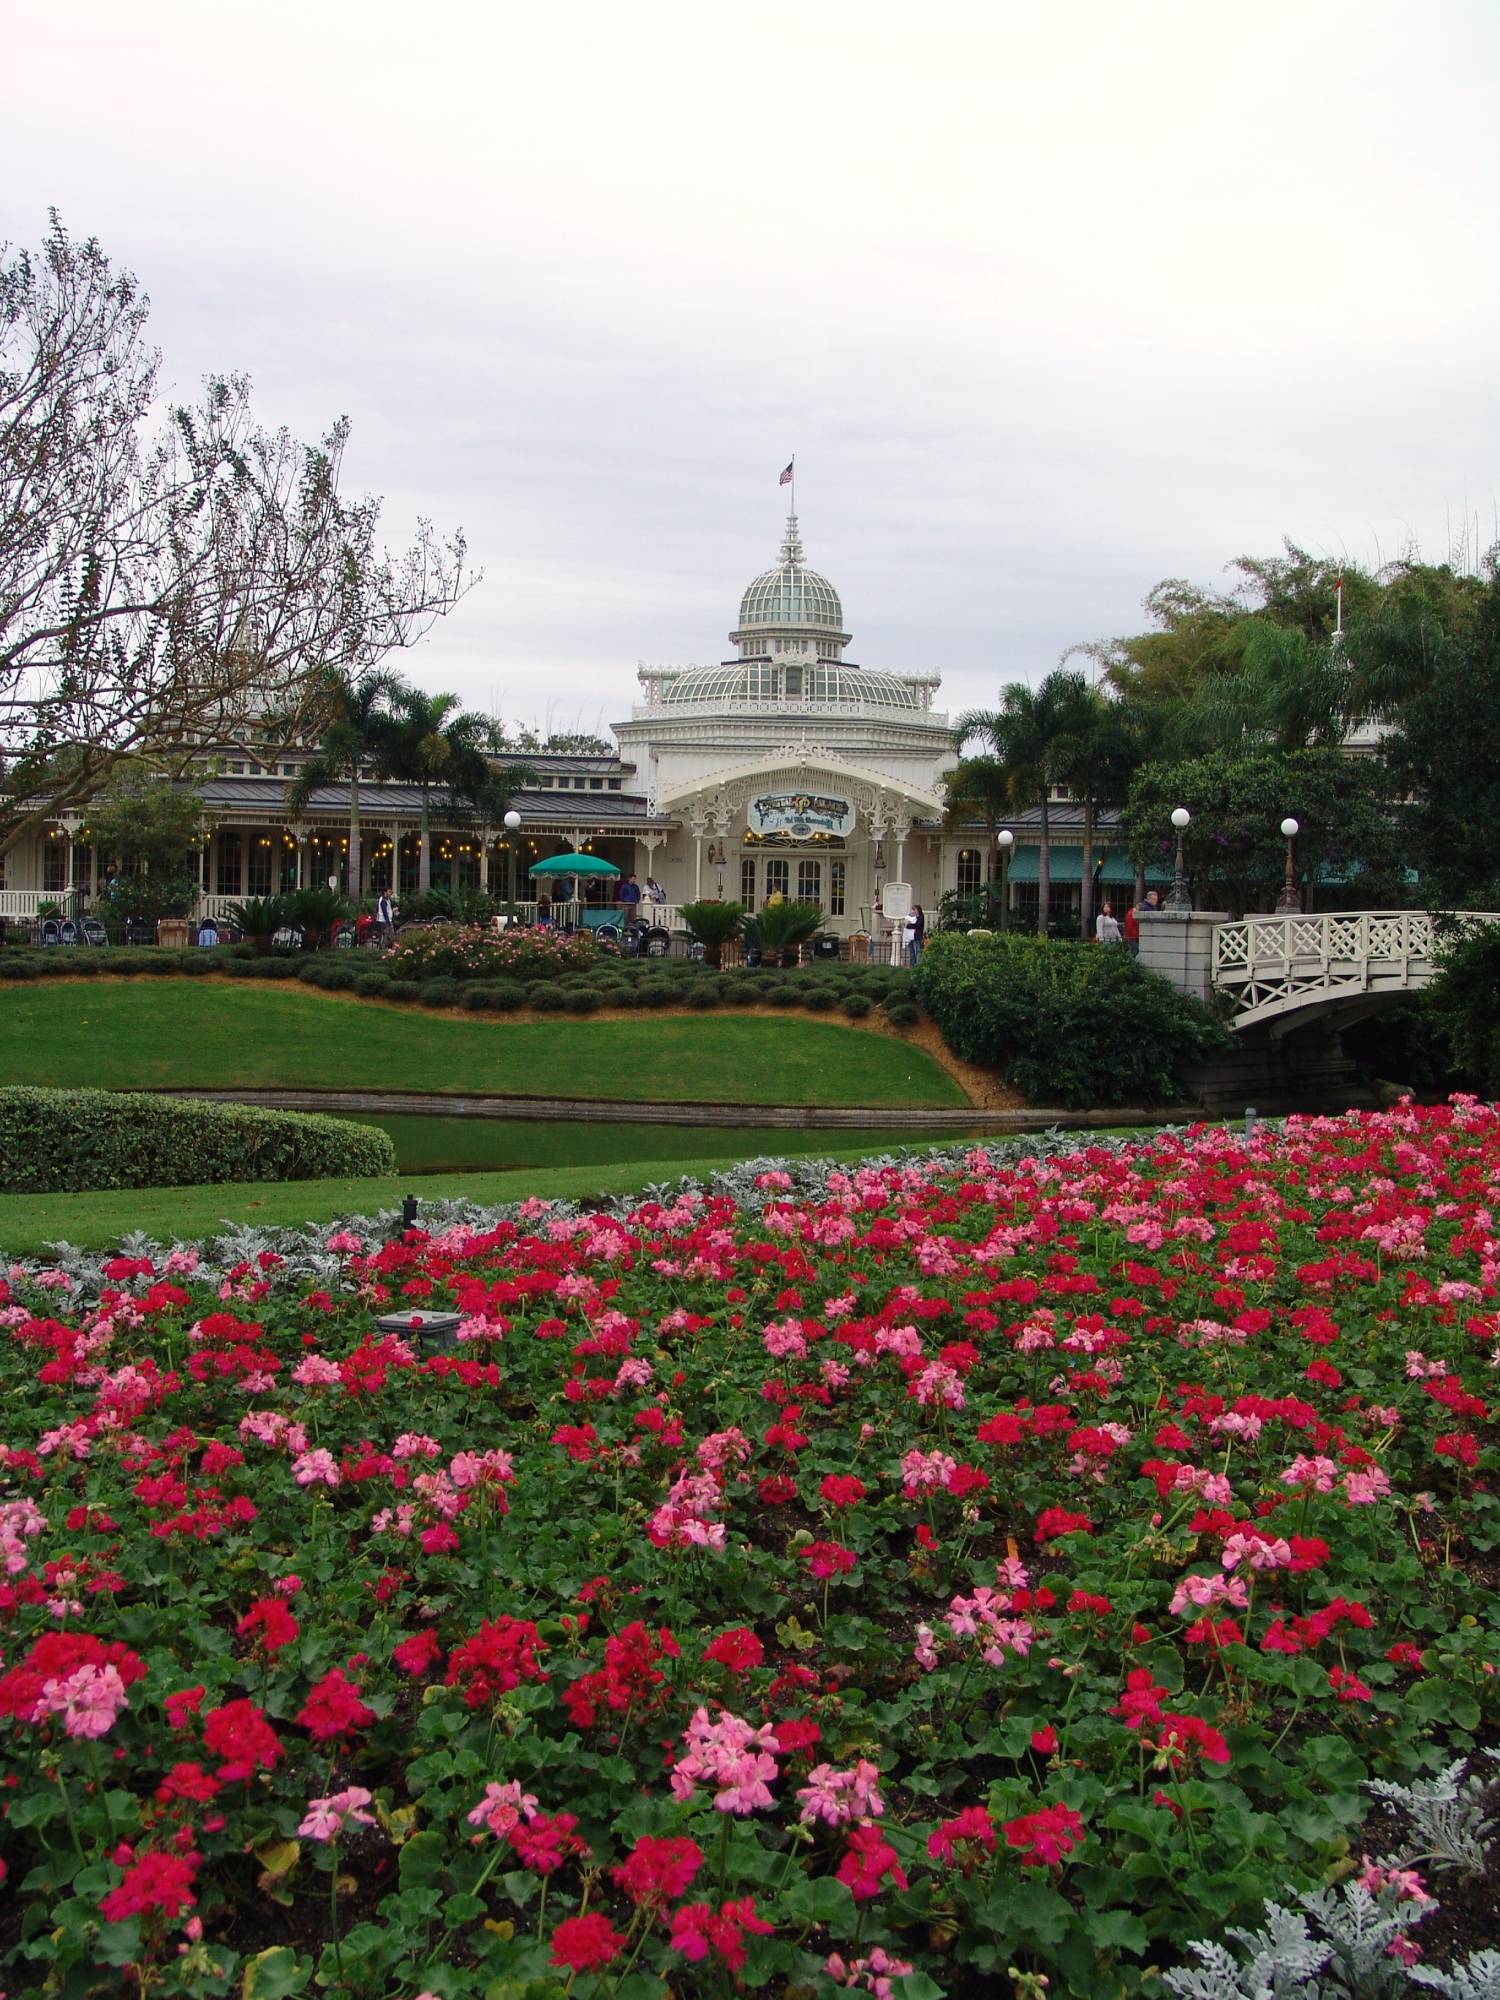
(357, 728)
(980, 787)
(437, 742)
(1027, 733)
(1096, 763)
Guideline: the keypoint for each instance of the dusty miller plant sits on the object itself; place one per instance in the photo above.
(1450, 1824)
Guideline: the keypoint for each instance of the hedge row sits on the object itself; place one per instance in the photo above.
(1076, 1025)
(63, 1141)
(852, 990)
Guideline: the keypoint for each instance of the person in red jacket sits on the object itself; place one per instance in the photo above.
(1132, 929)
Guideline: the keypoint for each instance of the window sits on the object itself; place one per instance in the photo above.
(55, 867)
(596, 784)
(227, 879)
(810, 882)
(778, 878)
(614, 784)
(970, 871)
(794, 683)
(747, 883)
(238, 769)
(258, 873)
(835, 888)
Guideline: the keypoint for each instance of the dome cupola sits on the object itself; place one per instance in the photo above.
(791, 608)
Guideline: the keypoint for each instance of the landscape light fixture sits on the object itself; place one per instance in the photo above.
(1290, 904)
(1005, 840)
(1178, 900)
(512, 827)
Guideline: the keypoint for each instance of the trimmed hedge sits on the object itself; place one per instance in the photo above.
(67, 1141)
(1075, 1025)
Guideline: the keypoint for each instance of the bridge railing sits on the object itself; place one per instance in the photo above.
(1278, 965)
(1383, 940)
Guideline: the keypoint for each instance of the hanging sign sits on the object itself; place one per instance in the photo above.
(800, 814)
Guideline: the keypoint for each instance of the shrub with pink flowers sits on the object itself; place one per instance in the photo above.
(947, 1578)
(473, 951)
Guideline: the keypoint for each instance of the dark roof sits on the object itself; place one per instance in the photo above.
(221, 795)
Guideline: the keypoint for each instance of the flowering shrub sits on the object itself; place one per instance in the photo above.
(469, 951)
(1010, 1562)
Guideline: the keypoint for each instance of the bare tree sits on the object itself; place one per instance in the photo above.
(156, 588)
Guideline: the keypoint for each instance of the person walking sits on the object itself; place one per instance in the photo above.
(1132, 930)
(1106, 928)
(385, 916)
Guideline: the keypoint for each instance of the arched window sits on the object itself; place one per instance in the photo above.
(747, 883)
(227, 879)
(970, 871)
(778, 877)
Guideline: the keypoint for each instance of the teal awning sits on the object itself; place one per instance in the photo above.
(1065, 864)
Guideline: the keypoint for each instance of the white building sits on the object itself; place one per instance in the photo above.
(786, 768)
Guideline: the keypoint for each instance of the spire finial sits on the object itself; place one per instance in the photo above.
(791, 547)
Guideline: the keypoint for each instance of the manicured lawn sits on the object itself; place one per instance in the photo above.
(143, 1033)
(483, 1145)
(28, 1222)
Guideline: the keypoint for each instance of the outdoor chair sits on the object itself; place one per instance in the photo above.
(51, 931)
(94, 932)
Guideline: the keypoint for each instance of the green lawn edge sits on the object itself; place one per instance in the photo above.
(188, 1033)
(95, 1220)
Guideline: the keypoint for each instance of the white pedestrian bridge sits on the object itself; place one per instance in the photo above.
(1290, 969)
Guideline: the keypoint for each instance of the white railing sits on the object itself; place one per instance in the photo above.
(26, 902)
(1278, 965)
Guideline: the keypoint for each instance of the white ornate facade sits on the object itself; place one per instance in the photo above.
(788, 768)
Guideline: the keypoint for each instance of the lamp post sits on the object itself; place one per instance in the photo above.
(512, 828)
(1005, 840)
(1178, 900)
(1290, 904)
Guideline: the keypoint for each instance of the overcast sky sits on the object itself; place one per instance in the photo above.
(1050, 301)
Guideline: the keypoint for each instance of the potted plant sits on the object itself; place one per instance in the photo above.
(781, 929)
(257, 919)
(712, 925)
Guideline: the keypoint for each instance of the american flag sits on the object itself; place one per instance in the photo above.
(786, 477)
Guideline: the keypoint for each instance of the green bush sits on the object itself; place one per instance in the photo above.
(440, 992)
(700, 998)
(581, 1000)
(1462, 1006)
(63, 1141)
(903, 1014)
(822, 999)
(1075, 1025)
(857, 1005)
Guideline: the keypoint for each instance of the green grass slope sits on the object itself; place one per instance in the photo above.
(142, 1033)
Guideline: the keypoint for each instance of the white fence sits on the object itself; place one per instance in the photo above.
(1283, 965)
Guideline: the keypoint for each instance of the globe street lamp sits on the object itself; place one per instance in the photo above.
(1290, 904)
(1178, 900)
(1006, 840)
(512, 828)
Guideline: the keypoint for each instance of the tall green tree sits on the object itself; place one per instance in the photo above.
(436, 742)
(1234, 847)
(979, 788)
(1096, 762)
(357, 719)
(1027, 734)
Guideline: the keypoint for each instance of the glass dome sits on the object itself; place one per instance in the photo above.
(791, 597)
(754, 682)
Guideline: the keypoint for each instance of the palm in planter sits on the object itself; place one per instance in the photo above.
(257, 919)
(781, 928)
(713, 924)
(316, 911)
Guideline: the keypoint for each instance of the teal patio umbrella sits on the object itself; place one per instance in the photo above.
(573, 864)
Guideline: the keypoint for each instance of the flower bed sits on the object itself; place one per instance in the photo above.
(470, 951)
(1027, 1565)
